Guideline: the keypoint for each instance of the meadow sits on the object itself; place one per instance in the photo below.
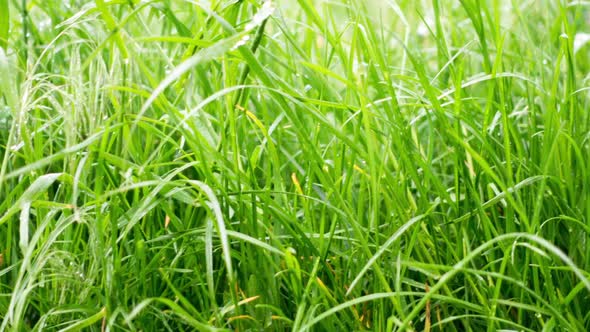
(294, 165)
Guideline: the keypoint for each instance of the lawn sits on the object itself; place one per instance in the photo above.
(294, 165)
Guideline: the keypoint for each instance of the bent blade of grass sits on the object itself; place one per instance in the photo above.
(55, 157)
(384, 248)
(39, 186)
(82, 324)
(203, 56)
(575, 221)
(220, 224)
(379, 296)
(187, 305)
(477, 252)
(174, 309)
(501, 196)
(439, 324)
(554, 310)
(235, 41)
(25, 283)
(256, 242)
(147, 203)
(479, 78)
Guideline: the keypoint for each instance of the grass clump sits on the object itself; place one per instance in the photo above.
(296, 165)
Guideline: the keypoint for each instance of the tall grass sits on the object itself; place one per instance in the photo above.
(294, 165)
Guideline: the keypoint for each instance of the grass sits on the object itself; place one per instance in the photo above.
(298, 165)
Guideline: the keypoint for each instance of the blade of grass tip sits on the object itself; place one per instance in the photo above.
(40, 185)
(82, 324)
(477, 252)
(255, 242)
(4, 24)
